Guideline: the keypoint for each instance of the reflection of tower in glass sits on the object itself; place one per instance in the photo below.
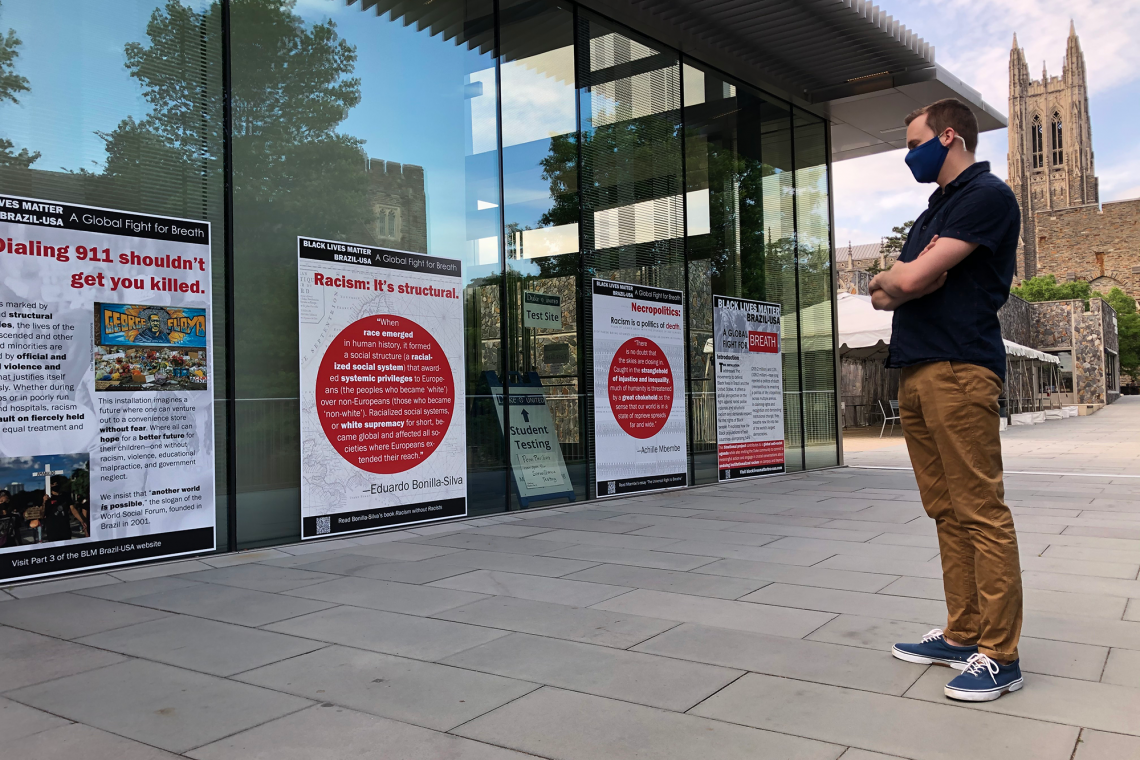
(398, 216)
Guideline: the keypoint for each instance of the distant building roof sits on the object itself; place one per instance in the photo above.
(861, 252)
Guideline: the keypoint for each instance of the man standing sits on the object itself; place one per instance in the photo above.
(952, 276)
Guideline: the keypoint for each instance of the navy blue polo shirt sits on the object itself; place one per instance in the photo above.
(959, 322)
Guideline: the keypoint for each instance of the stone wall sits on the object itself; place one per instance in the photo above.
(1088, 359)
(1052, 324)
(399, 205)
(1016, 319)
(1099, 245)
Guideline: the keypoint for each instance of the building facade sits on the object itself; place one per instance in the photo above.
(1066, 231)
(537, 145)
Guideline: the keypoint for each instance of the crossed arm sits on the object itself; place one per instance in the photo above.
(906, 281)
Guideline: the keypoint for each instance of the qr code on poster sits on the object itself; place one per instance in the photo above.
(324, 525)
(611, 487)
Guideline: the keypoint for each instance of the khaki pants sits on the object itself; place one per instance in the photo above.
(950, 416)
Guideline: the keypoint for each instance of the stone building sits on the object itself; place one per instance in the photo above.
(1065, 231)
(398, 204)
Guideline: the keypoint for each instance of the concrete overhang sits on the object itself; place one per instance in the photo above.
(845, 60)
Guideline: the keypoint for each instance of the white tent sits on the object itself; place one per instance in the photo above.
(865, 333)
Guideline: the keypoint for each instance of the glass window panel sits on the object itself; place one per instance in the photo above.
(813, 240)
(632, 214)
(366, 122)
(540, 211)
(86, 117)
(739, 214)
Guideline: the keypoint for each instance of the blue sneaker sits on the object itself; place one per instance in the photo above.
(933, 650)
(984, 680)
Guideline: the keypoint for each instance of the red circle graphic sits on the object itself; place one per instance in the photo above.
(641, 387)
(385, 394)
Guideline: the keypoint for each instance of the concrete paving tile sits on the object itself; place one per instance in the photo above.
(1103, 706)
(42, 588)
(1059, 658)
(229, 604)
(1080, 584)
(1081, 567)
(496, 543)
(743, 616)
(1098, 745)
(662, 560)
(751, 553)
(848, 602)
(1104, 532)
(386, 595)
(1085, 605)
(613, 540)
(420, 693)
(158, 704)
(800, 576)
(241, 558)
(159, 570)
(565, 725)
(744, 517)
(718, 536)
(329, 732)
(77, 740)
(1132, 610)
(882, 723)
(785, 657)
(403, 551)
(27, 658)
(1123, 668)
(831, 533)
(1095, 631)
(342, 563)
(603, 671)
(527, 564)
(121, 592)
(424, 571)
(906, 553)
(1096, 555)
(369, 539)
(533, 587)
(205, 646)
(559, 621)
(18, 721)
(387, 632)
(882, 566)
(510, 531)
(69, 616)
(573, 522)
(720, 587)
(260, 577)
(862, 754)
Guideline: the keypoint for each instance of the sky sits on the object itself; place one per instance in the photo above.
(973, 41)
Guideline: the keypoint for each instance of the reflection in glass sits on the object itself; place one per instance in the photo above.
(358, 122)
(540, 214)
(813, 251)
(99, 124)
(740, 237)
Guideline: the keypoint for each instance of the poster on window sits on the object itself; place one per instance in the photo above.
(639, 396)
(383, 430)
(106, 388)
(749, 388)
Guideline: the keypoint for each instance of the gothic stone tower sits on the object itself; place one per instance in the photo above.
(1050, 143)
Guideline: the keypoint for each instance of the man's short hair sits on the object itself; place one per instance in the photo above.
(950, 113)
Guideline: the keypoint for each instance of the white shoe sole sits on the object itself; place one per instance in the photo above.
(908, 657)
(983, 696)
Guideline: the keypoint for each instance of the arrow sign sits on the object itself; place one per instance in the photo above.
(526, 417)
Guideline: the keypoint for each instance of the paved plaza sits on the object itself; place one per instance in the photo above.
(744, 621)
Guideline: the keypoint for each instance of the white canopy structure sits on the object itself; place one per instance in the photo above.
(865, 333)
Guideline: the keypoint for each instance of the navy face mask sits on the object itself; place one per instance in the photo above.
(925, 161)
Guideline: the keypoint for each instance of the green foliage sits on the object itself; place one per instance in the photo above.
(12, 83)
(1128, 330)
(1046, 288)
(893, 244)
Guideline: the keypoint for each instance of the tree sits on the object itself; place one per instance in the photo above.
(891, 248)
(12, 83)
(1046, 288)
(1128, 330)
